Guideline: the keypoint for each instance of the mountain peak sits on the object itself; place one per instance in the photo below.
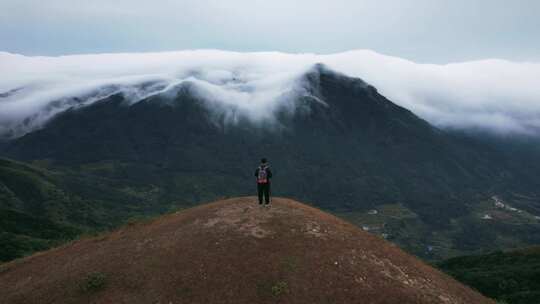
(319, 70)
(232, 251)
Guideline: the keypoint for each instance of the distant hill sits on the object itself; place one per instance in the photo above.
(231, 251)
(40, 208)
(511, 276)
(336, 142)
(27, 195)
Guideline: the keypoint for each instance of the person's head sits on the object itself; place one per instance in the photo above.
(263, 161)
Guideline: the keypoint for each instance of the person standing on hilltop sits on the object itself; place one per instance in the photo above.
(263, 175)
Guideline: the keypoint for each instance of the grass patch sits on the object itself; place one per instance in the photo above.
(269, 289)
(93, 282)
(290, 264)
(185, 293)
(279, 288)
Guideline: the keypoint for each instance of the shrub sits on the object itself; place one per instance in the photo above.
(93, 282)
(280, 288)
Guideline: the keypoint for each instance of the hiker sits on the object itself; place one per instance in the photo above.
(263, 175)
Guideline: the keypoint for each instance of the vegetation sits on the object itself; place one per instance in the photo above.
(280, 288)
(466, 234)
(510, 277)
(290, 264)
(93, 282)
(41, 207)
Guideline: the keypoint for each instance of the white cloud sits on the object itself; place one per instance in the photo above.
(496, 95)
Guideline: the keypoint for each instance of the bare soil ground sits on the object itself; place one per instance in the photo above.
(231, 251)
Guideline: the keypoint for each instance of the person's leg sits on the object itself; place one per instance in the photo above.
(267, 194)
(260, 193)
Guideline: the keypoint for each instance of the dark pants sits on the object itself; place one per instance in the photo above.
(263, 190)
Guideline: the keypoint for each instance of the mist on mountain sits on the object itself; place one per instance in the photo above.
(491, 95)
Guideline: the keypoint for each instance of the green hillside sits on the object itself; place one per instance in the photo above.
(41, 208)
(511, 277)
(29, 200)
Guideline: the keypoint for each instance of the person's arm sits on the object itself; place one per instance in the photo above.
(269, 173)
(257, 172)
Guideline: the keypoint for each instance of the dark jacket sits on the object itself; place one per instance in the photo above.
(268, 172)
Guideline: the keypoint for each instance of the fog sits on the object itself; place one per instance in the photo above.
(494, 95)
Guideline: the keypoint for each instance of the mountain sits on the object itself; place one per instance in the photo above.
(333, 140)
(510, 276)
(232, 251)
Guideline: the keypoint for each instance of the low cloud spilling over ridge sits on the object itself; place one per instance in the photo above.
(494, 95)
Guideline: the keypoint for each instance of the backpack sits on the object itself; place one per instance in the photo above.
(262, 177)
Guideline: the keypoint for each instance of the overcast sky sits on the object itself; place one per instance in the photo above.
(435, 31)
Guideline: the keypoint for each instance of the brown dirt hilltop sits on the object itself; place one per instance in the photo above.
(231, 251)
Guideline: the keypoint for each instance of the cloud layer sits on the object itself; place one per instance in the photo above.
(494, 95)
